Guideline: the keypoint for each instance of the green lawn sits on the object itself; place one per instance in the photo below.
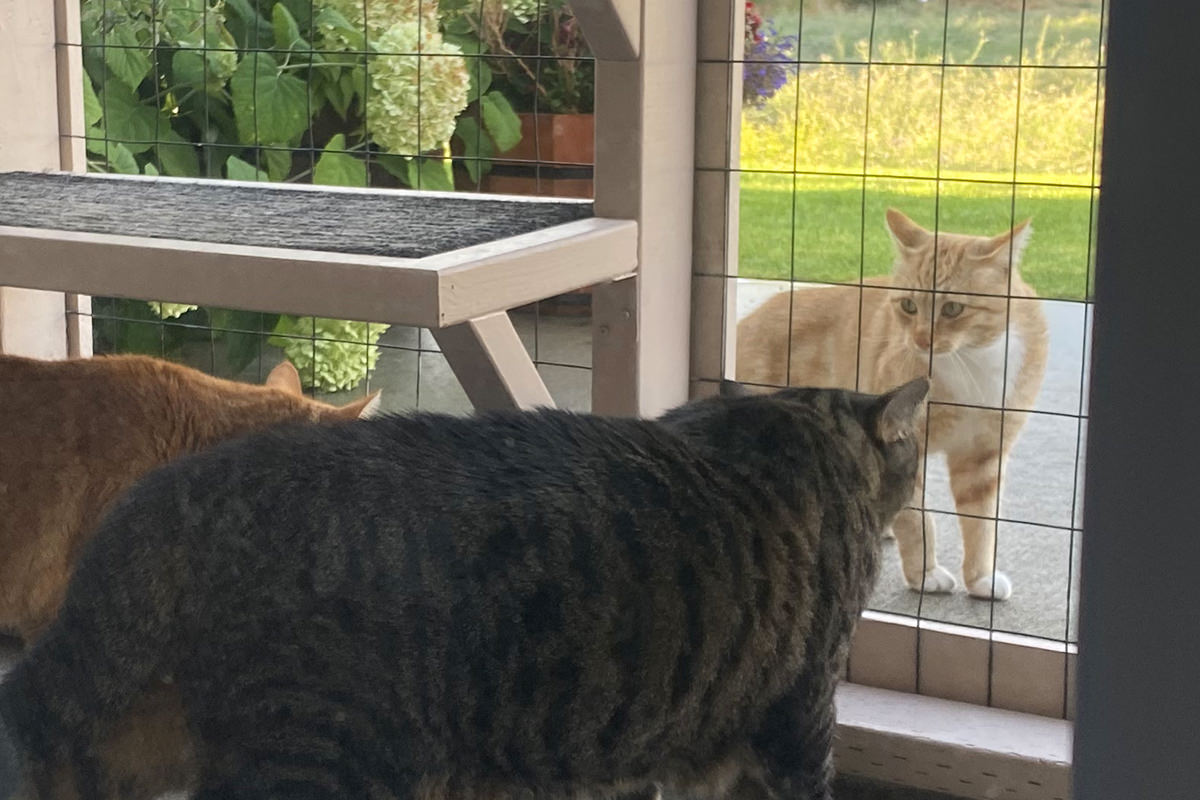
(830, 242)
(963, 123)
(1051, 29)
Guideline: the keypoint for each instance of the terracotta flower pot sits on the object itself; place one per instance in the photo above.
(554, 157)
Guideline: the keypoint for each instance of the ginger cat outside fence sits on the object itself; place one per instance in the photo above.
(74, 435)
(977, 312)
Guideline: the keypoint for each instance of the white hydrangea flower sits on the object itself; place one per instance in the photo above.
(396, 107)
(400, 34)
(170, 310)
(379, 16)
(526, 10)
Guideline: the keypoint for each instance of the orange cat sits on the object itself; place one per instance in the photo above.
(73, 436)
(978, 312)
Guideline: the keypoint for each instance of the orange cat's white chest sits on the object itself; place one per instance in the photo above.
(979, 376)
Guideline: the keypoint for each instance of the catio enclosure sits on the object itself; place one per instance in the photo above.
(741, 151)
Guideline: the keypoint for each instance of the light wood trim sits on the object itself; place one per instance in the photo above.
(613, 27)
(431, 292)
(492, 364)
(70, 78)
(1030, 676)
(31, 323)
(953, 663)
(645, 142)
(1008, 671)
(72, 152)
(884, 652)
(945, 746)
(229, 276)
(615, 348)
(522, 269)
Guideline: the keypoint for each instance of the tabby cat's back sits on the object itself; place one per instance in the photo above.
(542, 601)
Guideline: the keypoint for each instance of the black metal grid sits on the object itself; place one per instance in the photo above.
(194, 88)
(1057, 531)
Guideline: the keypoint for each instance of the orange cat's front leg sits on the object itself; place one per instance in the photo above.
(916, 538)
(974, 479)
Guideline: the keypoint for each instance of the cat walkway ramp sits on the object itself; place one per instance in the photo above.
(453, 263)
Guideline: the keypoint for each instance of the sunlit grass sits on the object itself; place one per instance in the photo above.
(907, 119)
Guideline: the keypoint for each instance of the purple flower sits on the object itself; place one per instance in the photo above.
(769, 60)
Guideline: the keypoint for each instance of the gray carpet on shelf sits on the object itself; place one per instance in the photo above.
(383, 223)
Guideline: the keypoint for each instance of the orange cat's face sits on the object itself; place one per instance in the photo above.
(957, 285)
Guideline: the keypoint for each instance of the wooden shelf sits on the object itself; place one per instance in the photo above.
(416, 258)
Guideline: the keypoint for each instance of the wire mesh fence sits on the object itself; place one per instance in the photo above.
(444, 95)
(968, 118)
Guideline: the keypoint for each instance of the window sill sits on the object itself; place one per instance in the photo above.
(956, 748)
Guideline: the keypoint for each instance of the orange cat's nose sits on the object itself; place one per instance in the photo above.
(921, 339)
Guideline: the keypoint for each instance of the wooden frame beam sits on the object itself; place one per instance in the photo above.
(490, 361)
(613, 27)
(432, 292)
(42, 76)
(645, 167)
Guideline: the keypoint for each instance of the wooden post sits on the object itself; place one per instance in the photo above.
(721, 46)
(41, 93)
(645, 123)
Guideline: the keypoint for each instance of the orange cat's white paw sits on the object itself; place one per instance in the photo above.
(937, 581)
(996, 586)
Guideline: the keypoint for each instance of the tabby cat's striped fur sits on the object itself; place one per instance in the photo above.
(541, 602)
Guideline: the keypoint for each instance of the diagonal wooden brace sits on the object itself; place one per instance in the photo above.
(492, 364)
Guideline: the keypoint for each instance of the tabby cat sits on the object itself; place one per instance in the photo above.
(73, 436)
(534, 602)
(978, 312)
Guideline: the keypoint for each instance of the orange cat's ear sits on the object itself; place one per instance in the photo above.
(285, 377)
(362, 408)
(907, 234)
(997, 247)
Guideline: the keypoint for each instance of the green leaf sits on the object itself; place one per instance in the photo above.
(339, 168)
(279, 163)
(287, 32)
(430, 174)
(92, 111)
(500, 120)
(477, 147)
(116, 154)
(126, 56)
(353, 34)
(177, 155)
(250, 29)
(187, 67)
(394, 164)
(238, 170)
(149, 169)
(481, 79)
(128, 121)
(271, 107)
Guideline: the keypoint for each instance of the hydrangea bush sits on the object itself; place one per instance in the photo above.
(293, 90)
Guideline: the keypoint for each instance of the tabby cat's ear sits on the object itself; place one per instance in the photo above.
(898, 413)
(286, 378)
(363, 408)
(734, 389)
(907, 234)
(997, 246)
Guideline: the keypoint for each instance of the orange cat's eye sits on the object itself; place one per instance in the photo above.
(909, 305)
(952, 309)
